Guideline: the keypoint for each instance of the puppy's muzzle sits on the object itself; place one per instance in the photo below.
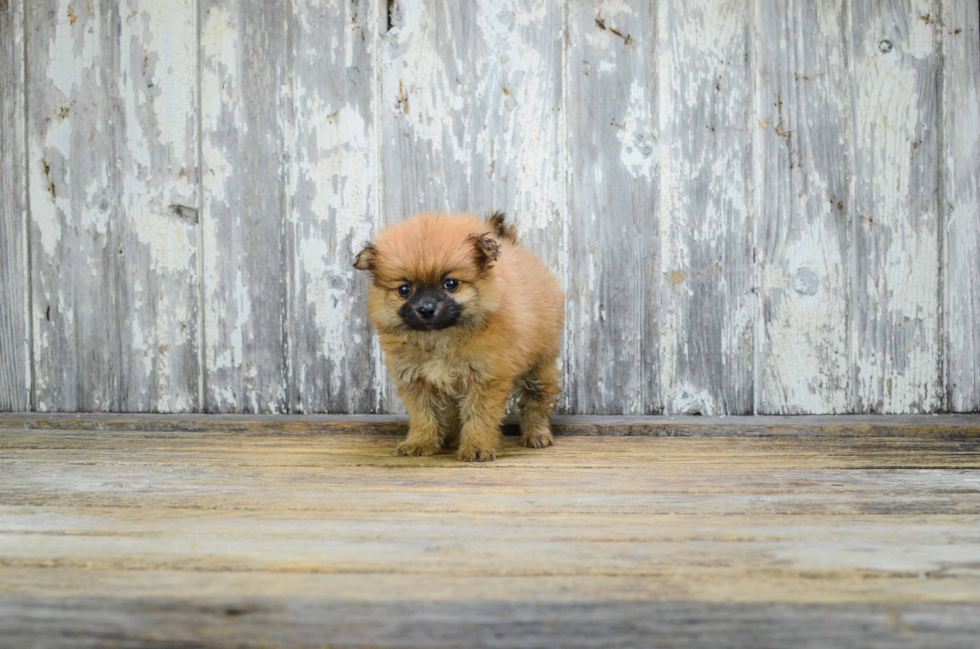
(431, 308)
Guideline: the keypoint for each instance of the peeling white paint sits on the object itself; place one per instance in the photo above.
(219, 74)
(640, 150)
(219, 66)
(689, 400)
(923, 23)
(51, 206)
(67, 65)
(895, 341)
(801, 128)
(220, 169)
(422, 85)
(333, 206)
(165, 29)
(706, 298)
(961, 239)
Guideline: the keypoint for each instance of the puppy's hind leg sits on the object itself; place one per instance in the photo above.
(537, 394)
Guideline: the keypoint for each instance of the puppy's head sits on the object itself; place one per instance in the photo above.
(431, 272)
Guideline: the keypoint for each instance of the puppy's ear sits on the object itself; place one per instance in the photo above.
(367, 258)
(498, 221)
(486, 248)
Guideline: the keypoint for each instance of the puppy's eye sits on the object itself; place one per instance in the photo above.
(405, 290)
(451, 284)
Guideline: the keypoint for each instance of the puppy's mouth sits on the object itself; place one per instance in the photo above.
(430, 311)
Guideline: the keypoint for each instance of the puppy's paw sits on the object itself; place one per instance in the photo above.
(476, 455)
(413, 449)
(537, 440)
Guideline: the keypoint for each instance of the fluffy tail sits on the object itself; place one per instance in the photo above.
(500, 227)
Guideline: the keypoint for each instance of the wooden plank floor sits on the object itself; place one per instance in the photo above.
(158, 533)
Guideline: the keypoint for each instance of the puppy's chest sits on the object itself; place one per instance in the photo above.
(450, 373)
(448, 377)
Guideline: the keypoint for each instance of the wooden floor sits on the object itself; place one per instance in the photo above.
(132, 532)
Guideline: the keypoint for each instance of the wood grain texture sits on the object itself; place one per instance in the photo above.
(156, 149)
(73, 207)
(708, 307)
(612, 324)
(333, 203)
(518, 622)
(471, 117)
(128, 537)
(112, 160)
(895, 321)
(961, 139)
(801, 167)
(246, 273)
(15, 325)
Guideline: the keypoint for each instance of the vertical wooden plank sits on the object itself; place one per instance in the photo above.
(800, 154)
(707, 307)
(111, 151)
(471, 114)
(333, 185)
(15, 365)
(895, 85)
(243, 56)
(156, 188)
(961, 22)
(73, 207)
(612, 321)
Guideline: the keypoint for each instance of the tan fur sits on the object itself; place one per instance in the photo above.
(456, 382)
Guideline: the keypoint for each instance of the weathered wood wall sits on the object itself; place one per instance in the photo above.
(754, 207)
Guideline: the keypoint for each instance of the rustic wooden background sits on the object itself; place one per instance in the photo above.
(755, 207)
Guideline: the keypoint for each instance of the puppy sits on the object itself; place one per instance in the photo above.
(467, 316)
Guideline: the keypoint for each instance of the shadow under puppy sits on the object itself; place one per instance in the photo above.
(466, 316)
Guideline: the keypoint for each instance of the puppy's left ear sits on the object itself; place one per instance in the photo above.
(367, 258)
(486, 248)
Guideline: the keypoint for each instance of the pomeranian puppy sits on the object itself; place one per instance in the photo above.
(467, 316)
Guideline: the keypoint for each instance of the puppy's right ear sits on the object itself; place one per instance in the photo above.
(366, 259)
(486, 248)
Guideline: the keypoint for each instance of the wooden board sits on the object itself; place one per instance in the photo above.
(961, 140)
(895, 67)
(73, 219)
(801, 170)
(514, 623)
(333, 204)
(156, 150)
(471, 118)
(612, 318)
(15, 338)
(945, 426)
(243, 54)
(708, 308)
(286, 327)
(132, 538)
(112, 172)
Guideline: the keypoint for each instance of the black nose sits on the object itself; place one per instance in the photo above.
(426, 310)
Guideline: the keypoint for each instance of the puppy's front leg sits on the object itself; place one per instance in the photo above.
(423, 426)
(483, 410)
